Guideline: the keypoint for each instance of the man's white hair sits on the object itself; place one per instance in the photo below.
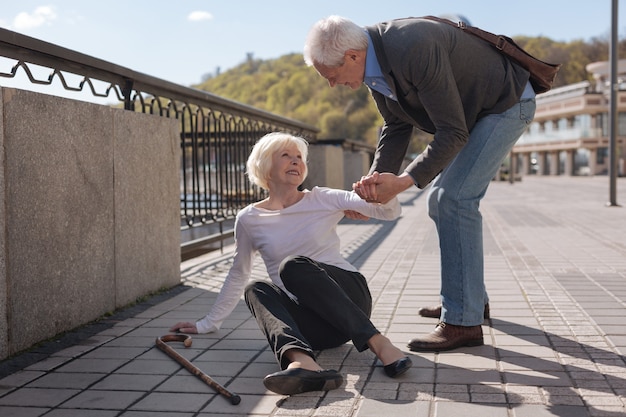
(330, 38)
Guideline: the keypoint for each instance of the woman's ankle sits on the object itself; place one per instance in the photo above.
(384, 350)
(301, 359)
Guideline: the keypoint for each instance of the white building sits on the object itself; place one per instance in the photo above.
(570, 132)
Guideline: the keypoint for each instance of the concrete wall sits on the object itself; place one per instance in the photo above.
(89, 213)
(355, 165)
(325, 166)
(334, 166)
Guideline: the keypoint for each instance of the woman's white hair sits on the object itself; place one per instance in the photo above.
(330, 38)
(259, 162)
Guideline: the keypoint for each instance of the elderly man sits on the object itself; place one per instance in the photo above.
(474, 100)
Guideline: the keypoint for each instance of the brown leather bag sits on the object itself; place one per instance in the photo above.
(542, 74)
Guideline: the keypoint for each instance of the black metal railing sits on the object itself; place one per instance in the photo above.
(216, 133)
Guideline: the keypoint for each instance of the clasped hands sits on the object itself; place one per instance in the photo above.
(378, 187)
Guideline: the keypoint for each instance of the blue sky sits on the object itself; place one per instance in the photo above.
(182, 40)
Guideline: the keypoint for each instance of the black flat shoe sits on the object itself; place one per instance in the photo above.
(398, 367)
(298, 380)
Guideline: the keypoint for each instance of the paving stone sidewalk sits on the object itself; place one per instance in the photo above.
(555, 345)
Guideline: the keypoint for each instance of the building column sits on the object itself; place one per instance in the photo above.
(542, 160)
(525, 163)
(554, 163)
(569, 162)
(593, 158)
(513, 166)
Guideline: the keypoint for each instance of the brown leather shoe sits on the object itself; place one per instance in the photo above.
(448, 337)
(435, 311)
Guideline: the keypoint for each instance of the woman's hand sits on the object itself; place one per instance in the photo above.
(184, 327)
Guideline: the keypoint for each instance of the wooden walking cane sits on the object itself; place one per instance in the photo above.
(161, 343)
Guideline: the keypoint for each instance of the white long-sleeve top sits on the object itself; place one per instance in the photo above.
(307, 228)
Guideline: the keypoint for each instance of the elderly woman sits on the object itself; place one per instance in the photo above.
(316, 299)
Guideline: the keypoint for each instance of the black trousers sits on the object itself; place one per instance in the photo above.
(333, 306)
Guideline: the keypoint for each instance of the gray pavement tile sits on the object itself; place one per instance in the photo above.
(103, 399)
(462, 409)
(48, 364)
(130, 382)
(22, 411)
(510, 340)
(165, 366)
(66, 380)
(131, 342)
(82, 413)
(607, 411)
(519, 363)
(18, 379)
(131, 322)
(259, 370)
(38, 397)
(416, 391)
(73, 351)
(246, 385)
(467, 361)
(377, 408)
(114, 352)
(247, 334)
(530, 410)
(607, 400)
(221, 370)
(614, 328)
(487, 398)
(380, 394)
(216, 355)
(226, 344)
(186, 383)
(157, 414)
(154, 353)
(526, 351)
(565, 400)
(543, 378)
(302, 405)
(250, 405)
(172, 402)
(458, 375)
(594, 387)
(344, 402)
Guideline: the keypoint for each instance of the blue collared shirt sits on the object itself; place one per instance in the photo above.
(528, 92)
(374, 78)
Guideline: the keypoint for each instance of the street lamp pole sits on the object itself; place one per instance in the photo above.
(613, 125)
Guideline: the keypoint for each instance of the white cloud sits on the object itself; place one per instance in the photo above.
(41, 16)
(199, 16)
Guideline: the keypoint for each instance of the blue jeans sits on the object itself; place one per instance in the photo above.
(453, 204)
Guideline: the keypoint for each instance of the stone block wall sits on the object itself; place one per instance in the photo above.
(89, 213)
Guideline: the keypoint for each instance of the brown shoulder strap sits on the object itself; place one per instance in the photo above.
(501, 42)
(498, 41)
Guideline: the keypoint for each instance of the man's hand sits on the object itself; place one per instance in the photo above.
(184, 327)
(383, 187)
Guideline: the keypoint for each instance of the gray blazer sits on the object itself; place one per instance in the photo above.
(445, 80)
